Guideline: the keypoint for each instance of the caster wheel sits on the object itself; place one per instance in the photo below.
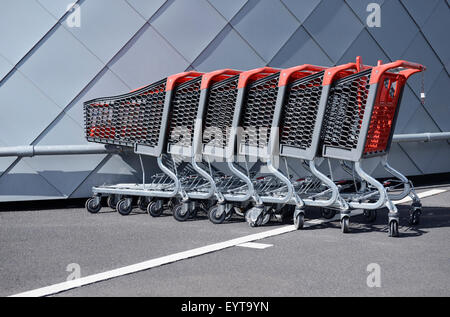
(143, 203)
(371, 215)
(253, 216)
(414, 218)
(263, 218)
(328, 213)
(299, 221)
(112, 201)
(93, 206)
(153, 209)
(393, 228)
(124, 206)
(229, 214)
(345, 225)
(214, 218)
(179, 213)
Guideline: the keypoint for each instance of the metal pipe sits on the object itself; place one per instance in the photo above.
(421, 137)
(34, 150)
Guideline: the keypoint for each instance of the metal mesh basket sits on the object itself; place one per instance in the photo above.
(258, 108)
(184, 112)
(219, 112)
(299, 111)
(346, 104)
(133, 118)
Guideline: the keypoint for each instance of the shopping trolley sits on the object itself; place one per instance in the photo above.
(360, 115)
(211, 140)
(141, 119)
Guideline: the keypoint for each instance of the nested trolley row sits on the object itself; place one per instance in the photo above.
(233, 142)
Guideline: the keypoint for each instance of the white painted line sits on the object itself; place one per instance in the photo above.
(254, 245)
(427, 193)
(64, 286)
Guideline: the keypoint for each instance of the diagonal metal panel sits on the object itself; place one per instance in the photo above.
(146, 8)
(260, 22)
(228, 50)
(334, 26)
(228, 8)
(301, 9)
(438, 103)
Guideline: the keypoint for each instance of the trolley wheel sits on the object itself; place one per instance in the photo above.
(371, 215)
(263, 218)
(143, 203)
(250, 219)
(112, 201)
(414, 217)
(124, 206)
(299, 221)
(345, 224)
(179, 214)
(212, 215)
(92, 205)
(393, 228)
(327, 213)
(153, 210)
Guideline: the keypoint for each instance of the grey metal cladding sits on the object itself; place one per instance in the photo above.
(228, 50)
(300, 49)
(143, 60)
(105, 26)
(265, 21)
(125, 44)
(334, 26)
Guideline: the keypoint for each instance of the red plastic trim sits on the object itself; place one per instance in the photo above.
(181, 77)
(245, 76)
(333, 71)
(378, 71)
(208, 77)
(286, 74)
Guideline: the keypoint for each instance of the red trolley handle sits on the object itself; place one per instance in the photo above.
(208, 77)
(245, 76)
(181, 77)
(286, 74)
(330, 73)
(412, 68)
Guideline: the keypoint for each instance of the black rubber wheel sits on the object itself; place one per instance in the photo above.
(299, 221)
(124, 206)
(414, 218)
(393, 228)
(112, 201)
(179, 214)
(92, 206)
(328, 213)
(212, 215)
(371, 215)
(345, 225)
(153, 210)
(143, 203)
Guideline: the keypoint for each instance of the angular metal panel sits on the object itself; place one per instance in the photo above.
(228, 50)
(146, 59)
(22, 24)
(397, 30)
(419, 51)
(366, 47)
(265, 21)
(105, 26)
(438, 101)
(436, 31)
(56, 8)
(408, 107)
(334, 26)
(420, 10)
(5, 67)
(301, 9)
(300, 49)
(228, 8)
(189, 25)
(146, 8)
(26, 111)
(23, 183)
(61, 66)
